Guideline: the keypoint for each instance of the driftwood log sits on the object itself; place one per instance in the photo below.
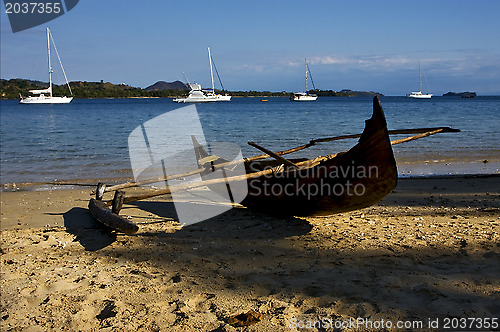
(104, 215)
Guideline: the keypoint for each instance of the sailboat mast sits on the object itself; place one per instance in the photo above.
(50, 67)
(420, 74)
(305, 62)
(211, 70)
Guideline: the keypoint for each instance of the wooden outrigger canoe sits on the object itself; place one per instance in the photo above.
(331, 184)
(341, 182)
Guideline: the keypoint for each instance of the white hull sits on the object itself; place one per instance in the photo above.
(46, 100)
(202, 99)
(419, 95)
(304, 97)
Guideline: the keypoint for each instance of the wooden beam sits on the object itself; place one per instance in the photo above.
(118, 200)
(274, 155)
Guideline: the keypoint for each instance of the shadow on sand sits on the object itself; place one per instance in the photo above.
(91, 234)
(235, 223)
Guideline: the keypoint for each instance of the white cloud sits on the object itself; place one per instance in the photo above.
(389, 73)
(367, 62)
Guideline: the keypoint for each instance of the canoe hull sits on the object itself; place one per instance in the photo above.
(344, 182)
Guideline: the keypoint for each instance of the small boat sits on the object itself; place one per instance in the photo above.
(419, 94)
(198, 95)
(325, 185)
(264, 100)
(305, 96)
(44, 96)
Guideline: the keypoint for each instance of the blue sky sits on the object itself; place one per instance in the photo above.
(261, 45)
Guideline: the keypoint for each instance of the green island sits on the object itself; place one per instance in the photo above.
(12, 88)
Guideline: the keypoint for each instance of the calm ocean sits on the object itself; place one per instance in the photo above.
(87, 139)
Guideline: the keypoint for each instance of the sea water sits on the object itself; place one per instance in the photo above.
(88, 138)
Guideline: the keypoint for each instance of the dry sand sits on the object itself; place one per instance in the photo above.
(429, 250)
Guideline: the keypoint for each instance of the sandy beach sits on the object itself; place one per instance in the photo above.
(428, 253)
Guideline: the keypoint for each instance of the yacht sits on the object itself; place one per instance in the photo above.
(198, 95)
(305, 96)
(44, 96)
(419, 94)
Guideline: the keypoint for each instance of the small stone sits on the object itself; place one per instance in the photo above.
(245, 319)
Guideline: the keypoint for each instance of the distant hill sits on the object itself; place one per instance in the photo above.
(83, 89)
(10, 89)
(162, 85)
(460, 94)
(30, 82)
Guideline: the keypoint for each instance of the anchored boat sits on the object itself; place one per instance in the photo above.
(305, 96)
(419, 94)
(44, 96)
(198, 95)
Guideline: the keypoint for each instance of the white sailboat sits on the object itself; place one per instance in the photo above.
(45, 96)
(198, 95)
(305, 96)
(419, 94)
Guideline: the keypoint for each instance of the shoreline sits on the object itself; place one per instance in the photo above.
(60, 197)
(406, 169)
(75, 184)
(428, 250)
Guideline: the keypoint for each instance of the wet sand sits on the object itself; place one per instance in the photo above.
(429, 250)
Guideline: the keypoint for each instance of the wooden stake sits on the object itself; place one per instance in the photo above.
(99, 193)
(118, 200)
